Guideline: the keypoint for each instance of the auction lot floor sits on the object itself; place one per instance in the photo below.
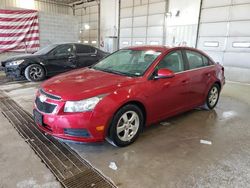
(166, 155)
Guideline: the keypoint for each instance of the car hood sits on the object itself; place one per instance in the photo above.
(85, 83)
(20, 57)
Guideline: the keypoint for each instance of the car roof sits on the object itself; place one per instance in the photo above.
(149, 47)
(160, 48)
(74, 43)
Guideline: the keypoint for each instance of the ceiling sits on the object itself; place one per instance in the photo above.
(68, 2)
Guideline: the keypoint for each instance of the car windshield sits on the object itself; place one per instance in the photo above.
(128, 62)
(46, 49)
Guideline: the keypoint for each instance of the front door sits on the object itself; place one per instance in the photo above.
(168, 96)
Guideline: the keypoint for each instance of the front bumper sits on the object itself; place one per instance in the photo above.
(13, 72)
(78, 127)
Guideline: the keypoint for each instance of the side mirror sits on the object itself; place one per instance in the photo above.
(164, 73)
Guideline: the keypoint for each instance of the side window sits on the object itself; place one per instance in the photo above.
(206, 61)
(172, 62)
(92, 50)
(195, 60)
(63, 50)
(82, 49)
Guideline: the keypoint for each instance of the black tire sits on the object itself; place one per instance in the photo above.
(212, 98)
(34, 73)
(118, 139)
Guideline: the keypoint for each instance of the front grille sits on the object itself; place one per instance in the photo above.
(44, 106)
(50, 95)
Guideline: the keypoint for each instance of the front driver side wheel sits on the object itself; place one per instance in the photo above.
(34, 73)
(126, 125)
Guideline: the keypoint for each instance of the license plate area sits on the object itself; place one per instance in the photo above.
(38, 117)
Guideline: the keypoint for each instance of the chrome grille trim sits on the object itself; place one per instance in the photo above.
(51, 96)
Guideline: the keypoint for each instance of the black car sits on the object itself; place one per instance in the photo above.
(52, 60)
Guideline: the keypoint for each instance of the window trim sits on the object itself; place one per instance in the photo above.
(52, 52)
(201, 54)
(189, 70)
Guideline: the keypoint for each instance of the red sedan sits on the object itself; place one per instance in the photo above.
(127, 91)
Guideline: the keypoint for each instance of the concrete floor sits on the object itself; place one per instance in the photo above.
(166, 155)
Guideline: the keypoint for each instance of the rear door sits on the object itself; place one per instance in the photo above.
(201, 71)
(86, 55)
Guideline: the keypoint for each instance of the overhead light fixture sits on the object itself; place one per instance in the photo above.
(86, 26)
(85, 42)
(93, 42)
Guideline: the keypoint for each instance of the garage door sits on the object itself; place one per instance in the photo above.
(224, 35)
(87, 15)
(142, 22)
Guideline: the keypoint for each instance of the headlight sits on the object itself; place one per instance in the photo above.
(13, 63)
(83, 105)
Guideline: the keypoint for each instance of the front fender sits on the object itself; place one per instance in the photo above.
(28, 62)
(118, 98)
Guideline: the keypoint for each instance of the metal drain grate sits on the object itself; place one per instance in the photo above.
(71, 170)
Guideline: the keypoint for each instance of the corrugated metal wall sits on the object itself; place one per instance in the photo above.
(40, 6)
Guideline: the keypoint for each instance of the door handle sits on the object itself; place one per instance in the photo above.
(93, 55)
(185, 81)
(208, 74)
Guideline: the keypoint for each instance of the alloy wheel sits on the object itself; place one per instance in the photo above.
(36, 73)
(213, 96)
(128, 126)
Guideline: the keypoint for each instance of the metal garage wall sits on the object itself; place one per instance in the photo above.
(142, 22)
(224, 35)
(57, 28)
(88, 16)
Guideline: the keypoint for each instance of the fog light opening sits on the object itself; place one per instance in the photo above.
(77, 132)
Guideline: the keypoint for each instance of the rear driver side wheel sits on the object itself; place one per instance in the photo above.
(34, 73)
(126, 125)
(212, 97)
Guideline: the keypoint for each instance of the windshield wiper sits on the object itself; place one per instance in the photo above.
(115, 72)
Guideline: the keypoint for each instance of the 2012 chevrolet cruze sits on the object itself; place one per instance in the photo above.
(127, 91)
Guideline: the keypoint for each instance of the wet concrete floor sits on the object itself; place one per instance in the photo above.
(170, 154)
